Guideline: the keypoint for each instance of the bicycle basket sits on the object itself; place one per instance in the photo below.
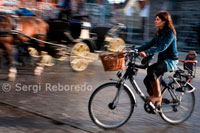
(113, 62)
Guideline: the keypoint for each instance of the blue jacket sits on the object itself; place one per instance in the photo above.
(164, 44)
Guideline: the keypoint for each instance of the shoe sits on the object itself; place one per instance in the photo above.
(156, 100)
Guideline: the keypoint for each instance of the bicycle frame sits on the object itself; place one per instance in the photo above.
(129, 74)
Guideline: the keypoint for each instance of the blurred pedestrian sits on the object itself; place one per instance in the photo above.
(144, 12)
(65, 10)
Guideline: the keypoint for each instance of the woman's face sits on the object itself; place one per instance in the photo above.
(159, 23)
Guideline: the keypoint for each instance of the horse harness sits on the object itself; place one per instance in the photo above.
(15, 24)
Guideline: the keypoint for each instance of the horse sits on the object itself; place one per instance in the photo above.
(28, 25)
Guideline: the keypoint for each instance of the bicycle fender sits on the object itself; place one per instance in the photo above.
(191, 87)
(131, 94)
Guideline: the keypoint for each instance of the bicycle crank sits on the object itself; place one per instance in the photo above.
(149, 107)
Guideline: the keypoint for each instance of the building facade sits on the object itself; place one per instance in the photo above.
(186, 19)
(45, 9)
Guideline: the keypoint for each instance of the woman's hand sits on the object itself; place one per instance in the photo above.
(143, 54)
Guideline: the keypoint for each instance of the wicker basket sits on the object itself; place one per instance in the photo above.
(113, 62)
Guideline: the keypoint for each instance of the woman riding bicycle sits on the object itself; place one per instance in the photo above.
(163, 43)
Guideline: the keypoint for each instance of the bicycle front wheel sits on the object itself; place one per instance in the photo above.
(101, 109)
(177, 106)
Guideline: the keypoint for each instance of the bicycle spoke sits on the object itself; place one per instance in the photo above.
(177, 112)
(184, 108)
(103, 114)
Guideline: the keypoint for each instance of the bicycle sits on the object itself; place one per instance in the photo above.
(112, 104)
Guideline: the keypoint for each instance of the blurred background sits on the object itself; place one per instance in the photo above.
(137, 15)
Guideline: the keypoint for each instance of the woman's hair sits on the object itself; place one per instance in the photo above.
(165, 16)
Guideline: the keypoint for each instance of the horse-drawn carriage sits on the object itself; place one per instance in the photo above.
(76, 37)
(84, 39)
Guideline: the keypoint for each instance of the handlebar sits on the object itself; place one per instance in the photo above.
(132, 55)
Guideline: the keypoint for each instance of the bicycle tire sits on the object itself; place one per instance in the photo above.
(175, 116)
(104, 100)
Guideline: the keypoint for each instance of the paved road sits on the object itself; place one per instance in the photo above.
(40, 104)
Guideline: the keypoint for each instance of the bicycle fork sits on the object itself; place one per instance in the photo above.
(115, 101)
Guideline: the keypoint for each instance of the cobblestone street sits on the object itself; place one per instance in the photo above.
(43, 108)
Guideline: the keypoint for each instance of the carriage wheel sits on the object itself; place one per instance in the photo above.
(91, 44)
(77, 60)
(116, 45)
(33, 52)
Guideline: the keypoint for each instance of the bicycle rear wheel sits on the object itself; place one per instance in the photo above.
(100, 106)
(177, 106)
